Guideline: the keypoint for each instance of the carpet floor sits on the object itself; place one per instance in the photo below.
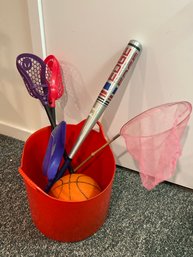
(157, 223)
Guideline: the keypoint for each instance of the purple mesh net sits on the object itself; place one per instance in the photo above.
(33, 71)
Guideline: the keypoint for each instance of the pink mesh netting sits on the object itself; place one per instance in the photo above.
(153, 140)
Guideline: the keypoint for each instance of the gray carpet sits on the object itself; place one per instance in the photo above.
(140, 223)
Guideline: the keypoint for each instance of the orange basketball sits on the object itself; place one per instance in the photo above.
(75, 188)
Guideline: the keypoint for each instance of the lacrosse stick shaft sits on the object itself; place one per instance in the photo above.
(53, 113)
(50, 116)
(96, 152)
(124, 64)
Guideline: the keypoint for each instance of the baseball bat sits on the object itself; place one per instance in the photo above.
(128, 58)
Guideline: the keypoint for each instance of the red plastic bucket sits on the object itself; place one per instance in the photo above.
(61, 220)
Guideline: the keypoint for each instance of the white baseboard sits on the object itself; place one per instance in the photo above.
(15, 132)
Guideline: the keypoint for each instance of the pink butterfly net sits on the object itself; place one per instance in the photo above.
(153, 139)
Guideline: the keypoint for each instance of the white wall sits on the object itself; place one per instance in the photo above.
(19, 113)
(88, 38)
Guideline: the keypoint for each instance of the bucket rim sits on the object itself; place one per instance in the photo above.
(40, 190)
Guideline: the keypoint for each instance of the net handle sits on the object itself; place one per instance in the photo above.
(96, 152)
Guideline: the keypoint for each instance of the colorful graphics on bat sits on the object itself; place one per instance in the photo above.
(104, 97)
(117, 76)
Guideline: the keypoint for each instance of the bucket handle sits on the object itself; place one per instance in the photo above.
(29, 181)
(101, 131)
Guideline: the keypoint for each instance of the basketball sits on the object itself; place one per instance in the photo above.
(75, 188)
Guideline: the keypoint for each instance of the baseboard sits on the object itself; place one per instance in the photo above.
(15, 132)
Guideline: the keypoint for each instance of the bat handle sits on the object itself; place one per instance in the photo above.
(88, 125)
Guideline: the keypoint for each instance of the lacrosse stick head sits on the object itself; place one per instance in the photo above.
(33, 71)
(54, 78)
(153, 140)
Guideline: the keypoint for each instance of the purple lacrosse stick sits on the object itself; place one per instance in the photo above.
(33, 71)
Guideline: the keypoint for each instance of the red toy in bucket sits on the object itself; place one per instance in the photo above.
(64, 220)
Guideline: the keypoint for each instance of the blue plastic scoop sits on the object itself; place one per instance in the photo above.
(55, 150)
